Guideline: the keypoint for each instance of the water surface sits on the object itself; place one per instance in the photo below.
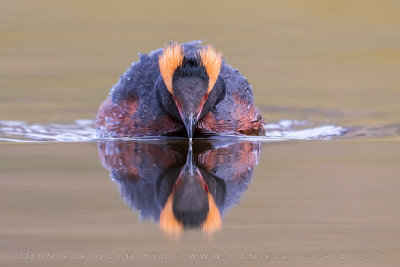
(323, 181)
(304, 196)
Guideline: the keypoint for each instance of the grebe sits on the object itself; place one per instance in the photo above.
(180, 90)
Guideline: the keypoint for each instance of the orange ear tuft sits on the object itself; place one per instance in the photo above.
(213, 221)
(169, 60)
(212, 61)
(168, 223)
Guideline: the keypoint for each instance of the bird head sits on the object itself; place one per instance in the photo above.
(192, 82)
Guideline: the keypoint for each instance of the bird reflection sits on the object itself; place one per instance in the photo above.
(181, 186)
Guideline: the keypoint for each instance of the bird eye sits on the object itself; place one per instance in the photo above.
(206, 187)
(205, 97)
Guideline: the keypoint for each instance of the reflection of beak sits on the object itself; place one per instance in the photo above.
(190, 122)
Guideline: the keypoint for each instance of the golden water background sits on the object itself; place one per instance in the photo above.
(328, 61)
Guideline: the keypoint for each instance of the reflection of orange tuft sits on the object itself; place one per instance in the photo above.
(213, 220)
(169, 60)
(212, 61)
(168, 223)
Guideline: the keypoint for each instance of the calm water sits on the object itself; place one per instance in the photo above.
(323, 181)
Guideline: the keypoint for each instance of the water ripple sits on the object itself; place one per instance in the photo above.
(85, 131)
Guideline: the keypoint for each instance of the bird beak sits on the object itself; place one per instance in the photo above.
(190, 121)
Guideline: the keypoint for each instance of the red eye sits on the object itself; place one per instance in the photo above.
(206, 187)
(205, 97)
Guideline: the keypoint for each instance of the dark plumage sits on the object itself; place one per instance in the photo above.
(195, 93)
(176, 183)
